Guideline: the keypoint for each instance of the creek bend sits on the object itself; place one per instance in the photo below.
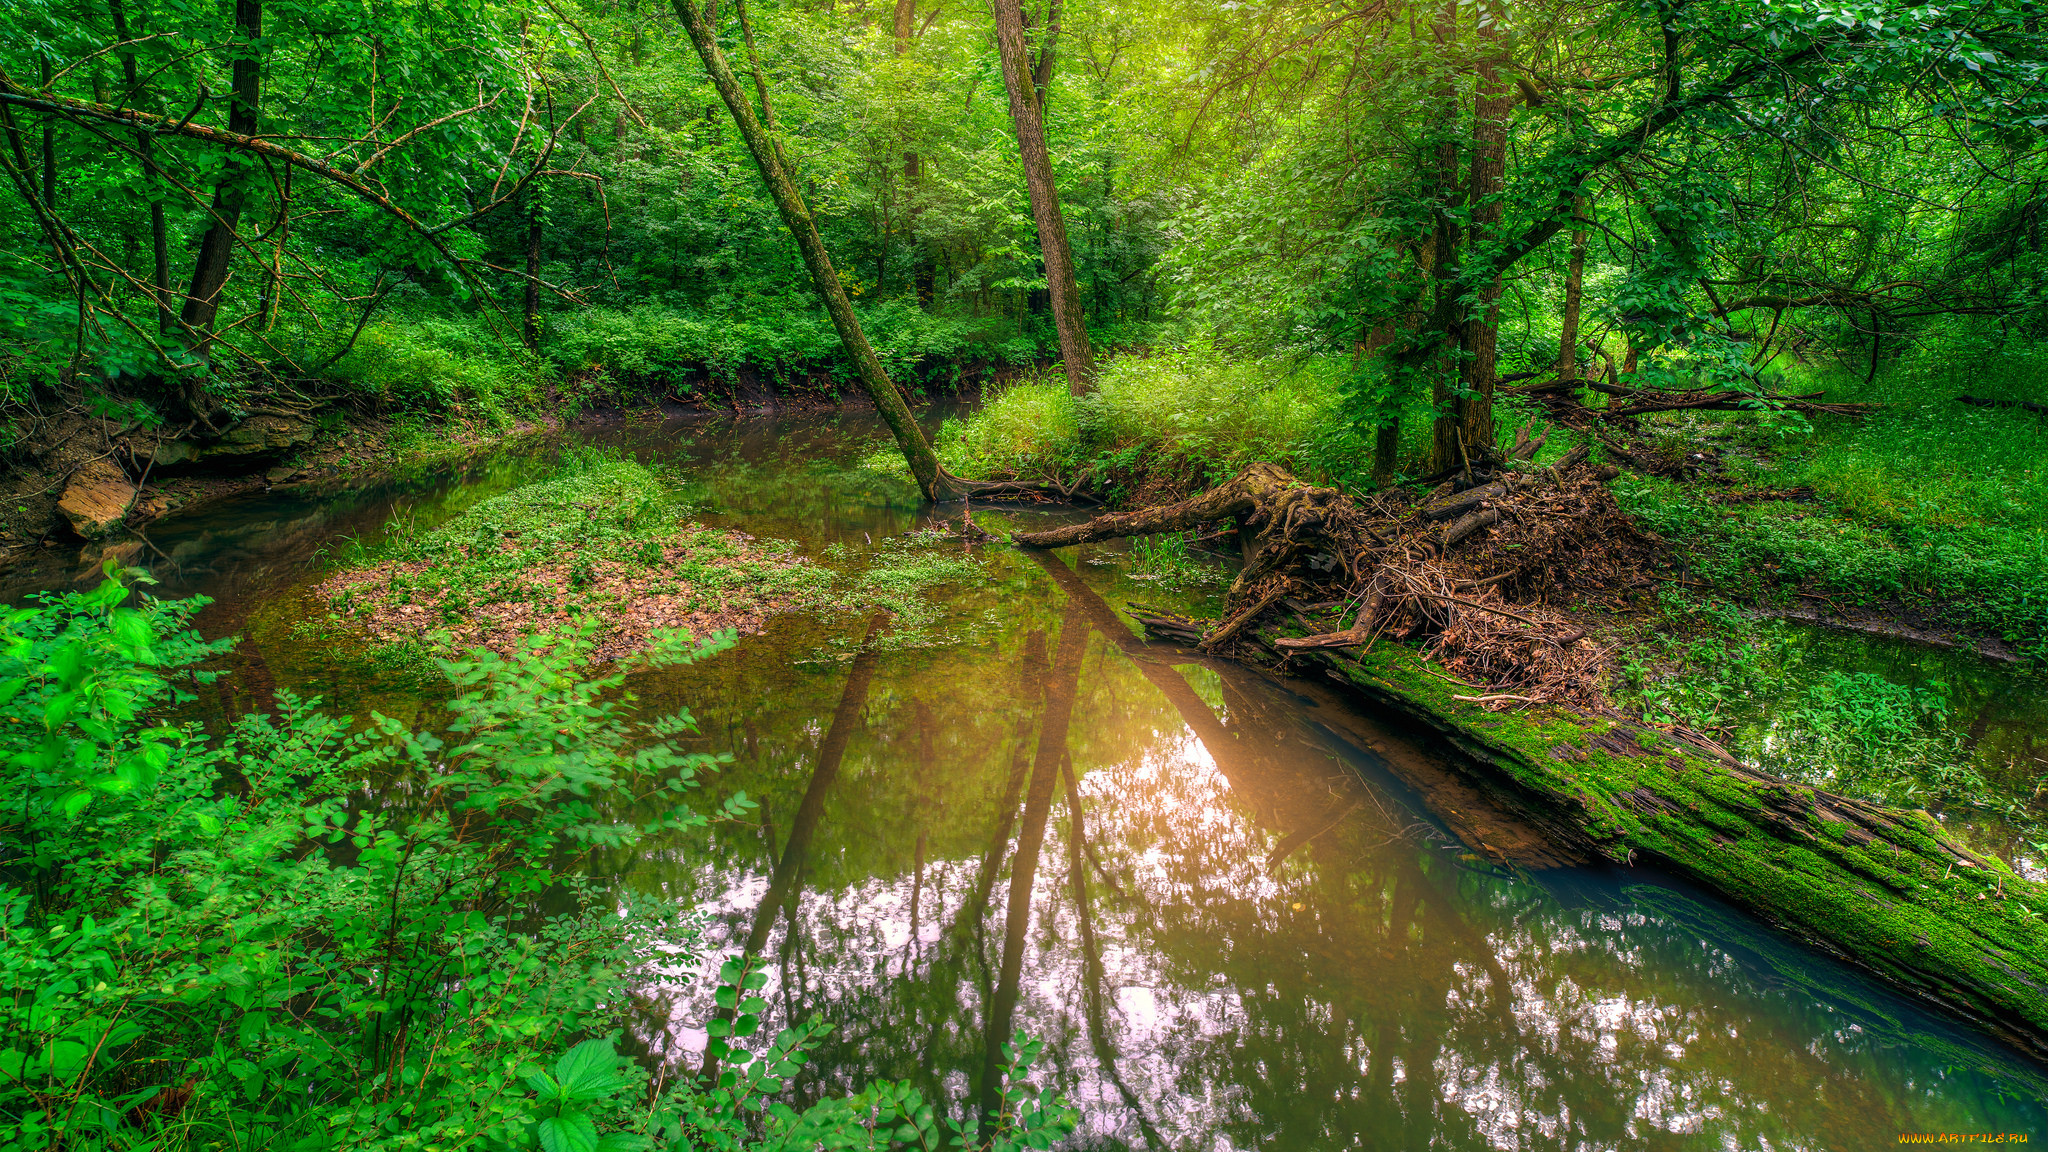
(1240, 928)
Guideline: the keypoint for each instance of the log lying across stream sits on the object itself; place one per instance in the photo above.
(1332, 586)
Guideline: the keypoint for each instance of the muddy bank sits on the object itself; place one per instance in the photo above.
(89, 482)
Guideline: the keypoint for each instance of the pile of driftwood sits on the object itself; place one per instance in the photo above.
(1476, 569)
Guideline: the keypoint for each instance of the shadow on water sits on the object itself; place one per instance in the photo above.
(1239, 912)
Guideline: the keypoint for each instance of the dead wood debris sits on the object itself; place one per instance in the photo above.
(1475, 572)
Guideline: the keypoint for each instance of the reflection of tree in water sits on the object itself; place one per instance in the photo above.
(1265, 953)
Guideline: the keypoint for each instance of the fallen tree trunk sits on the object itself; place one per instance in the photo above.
(1648, 400)
(1331, 582)
(1886, 890)
(1981, 402)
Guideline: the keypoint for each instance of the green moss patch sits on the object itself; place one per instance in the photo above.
(604, 540)
(1885, 888)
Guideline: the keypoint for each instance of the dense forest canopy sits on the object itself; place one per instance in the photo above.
(212, 203)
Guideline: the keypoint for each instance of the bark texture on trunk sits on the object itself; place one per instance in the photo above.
(1018, 79)
(217, 245)
(1490, 107)
(159, 232)
(1574, 291)
(932, 480)
(1438, 345)
(904, 24)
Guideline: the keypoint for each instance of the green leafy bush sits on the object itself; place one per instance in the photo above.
(232, 942)
(451, 365)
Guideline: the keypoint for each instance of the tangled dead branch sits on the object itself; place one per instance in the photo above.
(1472, 571)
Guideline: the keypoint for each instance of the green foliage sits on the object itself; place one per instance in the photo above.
(231, 947)
(655, 351)
(1194, 410)
(1794, 711)
(1165, 558)
(1926, 504)
(308, 970)
(441, 365)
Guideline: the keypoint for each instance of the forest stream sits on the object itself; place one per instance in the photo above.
(1244, 928)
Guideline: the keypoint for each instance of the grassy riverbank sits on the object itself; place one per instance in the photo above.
(1925, 511)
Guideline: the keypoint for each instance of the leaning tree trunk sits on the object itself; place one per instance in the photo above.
(1026, 115)
(932, 479)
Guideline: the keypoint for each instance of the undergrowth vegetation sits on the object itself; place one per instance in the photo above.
(461, 365)
(1778, 701)
(225, 942)
(1926, 504)
(1177, 418)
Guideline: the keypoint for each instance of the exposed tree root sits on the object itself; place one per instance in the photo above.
(1442, 571)
(1473, 573)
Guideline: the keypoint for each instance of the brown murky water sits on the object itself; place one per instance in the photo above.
(1205, 888)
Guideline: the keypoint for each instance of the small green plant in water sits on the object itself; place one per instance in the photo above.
(1166, 558)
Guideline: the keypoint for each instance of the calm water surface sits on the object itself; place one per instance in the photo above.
(1202, 886)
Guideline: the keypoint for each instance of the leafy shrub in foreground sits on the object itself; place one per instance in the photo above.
(231, 943)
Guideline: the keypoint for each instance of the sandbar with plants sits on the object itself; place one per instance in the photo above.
(606, 544)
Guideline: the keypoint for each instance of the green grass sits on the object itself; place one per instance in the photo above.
(1192, 410)
(1926, 504)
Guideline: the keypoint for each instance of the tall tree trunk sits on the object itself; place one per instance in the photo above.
(913, 170)
(1574, 288)
(1048, 44)
(1439, 340)
(1490, 107)
(49, 150)
(159, 232)
(1386, 440)
(932, 480)
(217, 246)
(1045, 202)
(536, 214)
(905, 24)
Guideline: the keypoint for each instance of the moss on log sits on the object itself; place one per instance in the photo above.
(1887, 890)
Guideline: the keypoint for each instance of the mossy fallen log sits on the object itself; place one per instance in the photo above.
(1884, 889)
